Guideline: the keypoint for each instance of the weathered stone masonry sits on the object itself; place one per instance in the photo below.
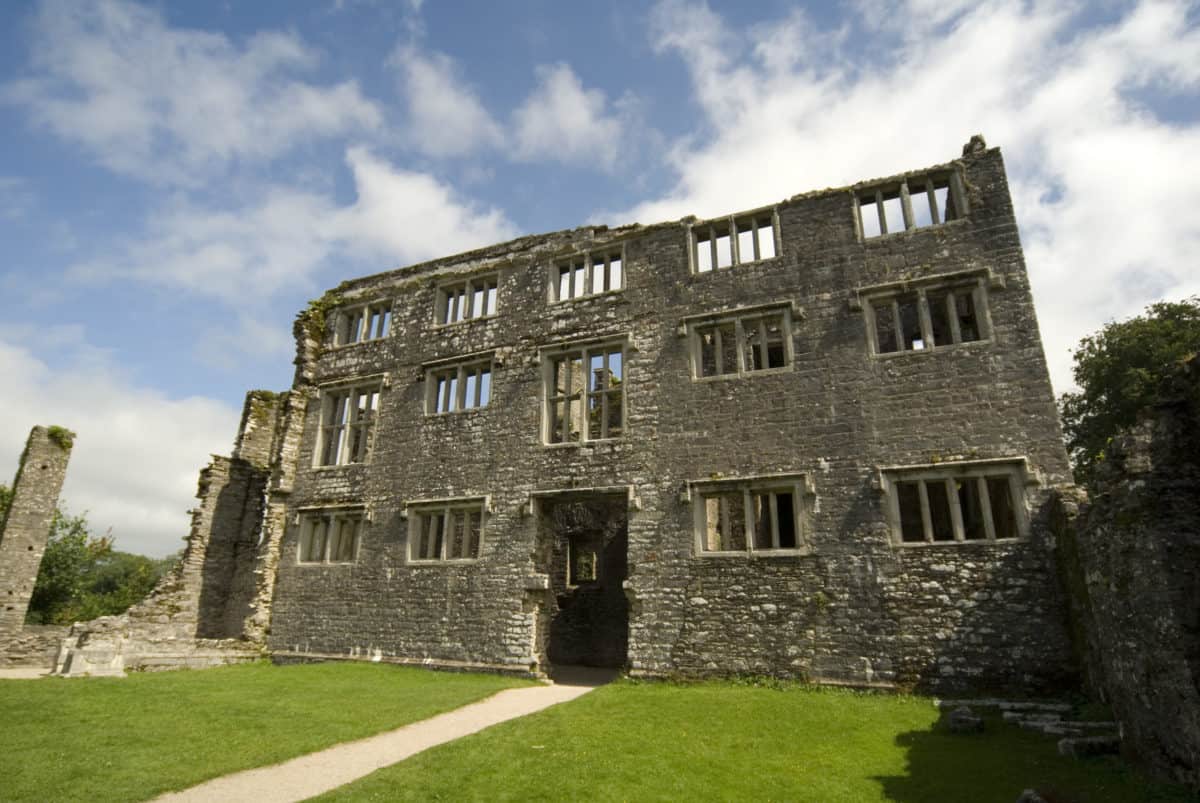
(24, 533)
(1131, 558)
(205, 611)
(816, 415)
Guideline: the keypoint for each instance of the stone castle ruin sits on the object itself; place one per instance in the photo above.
(813, 440)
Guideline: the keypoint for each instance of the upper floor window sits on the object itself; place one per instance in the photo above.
(464, 386)
(763, 514)
(942, 312)
(585, 393)
(330, 536)
(731, 241)
(450, 530)
(347, 419)
(913, 203)
(956, 503)
(740, 344)
(588, 275)
(356, 324)
(473, 298)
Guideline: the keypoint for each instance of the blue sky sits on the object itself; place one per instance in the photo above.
(178, 179)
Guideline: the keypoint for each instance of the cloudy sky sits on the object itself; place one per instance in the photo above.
(177, 179)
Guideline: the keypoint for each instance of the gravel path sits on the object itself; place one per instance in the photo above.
(307, 776)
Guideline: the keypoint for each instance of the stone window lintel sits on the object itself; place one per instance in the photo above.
(485, 499)
(630, 491)
(1030, 477)
(859, 294)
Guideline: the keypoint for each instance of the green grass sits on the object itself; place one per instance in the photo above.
(720, 741)
(135, 737)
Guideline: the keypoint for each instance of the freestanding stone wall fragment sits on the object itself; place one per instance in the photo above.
(27, 527)
(196, 615)
(1131, 560)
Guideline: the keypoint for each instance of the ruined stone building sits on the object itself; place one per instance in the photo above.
(815, 439)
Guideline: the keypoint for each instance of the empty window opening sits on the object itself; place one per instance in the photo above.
(330, 536)
(733, 241)
(459, 387)
(928, 318)
(582, 560)
(593, 274)
(585, 394)
(893, 213)
(868, 212)
(347, 418)
(750, 516)
(474, 298)
(741, 345)
(445, 532)
(917, 202)
(956, 504)
(359, 324)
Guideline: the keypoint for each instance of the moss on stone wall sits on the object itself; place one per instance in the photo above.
(61, 437)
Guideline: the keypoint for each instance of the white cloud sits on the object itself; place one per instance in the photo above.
(171, 105)
(1103, 187)
(445, 116)
(235, 255)
(409, 217)
(138, 453)
(561, 121)
(286, 237)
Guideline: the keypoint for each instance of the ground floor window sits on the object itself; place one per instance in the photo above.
(330, 536)
(450, 530)
(956, 503)
(763, 514)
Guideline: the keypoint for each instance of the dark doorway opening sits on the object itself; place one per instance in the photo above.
(587, 541)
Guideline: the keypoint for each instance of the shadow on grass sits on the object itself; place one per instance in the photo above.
(1001, 762)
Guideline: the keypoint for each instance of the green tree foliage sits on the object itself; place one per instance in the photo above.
(1120, 370)
(82, 576)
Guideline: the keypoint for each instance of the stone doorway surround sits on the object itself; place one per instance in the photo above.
(582, 546)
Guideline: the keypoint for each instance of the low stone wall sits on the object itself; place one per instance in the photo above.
(35, 645)
(1130, 559)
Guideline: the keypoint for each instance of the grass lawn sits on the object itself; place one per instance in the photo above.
(132, 738)
(719, 741)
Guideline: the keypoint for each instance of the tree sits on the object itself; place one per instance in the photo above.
(82, 576)
(1121, 370)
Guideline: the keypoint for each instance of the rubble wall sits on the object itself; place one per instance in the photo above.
(1131, 559)
(196, 614)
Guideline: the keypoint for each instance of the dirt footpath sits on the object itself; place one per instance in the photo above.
(316, 773)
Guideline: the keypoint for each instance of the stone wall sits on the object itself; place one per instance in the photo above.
(196, 615)
(35, 645)
(26, 529)
(852, 606)
(1131, 558)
